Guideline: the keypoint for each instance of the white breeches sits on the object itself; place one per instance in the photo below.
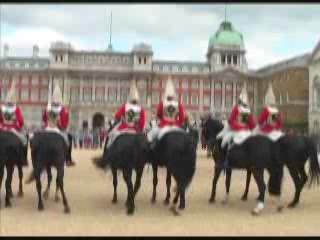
(273, 135)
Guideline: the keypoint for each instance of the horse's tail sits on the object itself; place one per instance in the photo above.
(314, 168)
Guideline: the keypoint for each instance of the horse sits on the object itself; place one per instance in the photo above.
(256, 154)
(11, 153)
(48, 149)
(295, 150)
(176, 151)
(128, 152)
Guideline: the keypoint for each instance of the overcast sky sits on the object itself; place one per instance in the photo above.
(271, 32)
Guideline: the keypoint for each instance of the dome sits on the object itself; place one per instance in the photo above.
(227, 36)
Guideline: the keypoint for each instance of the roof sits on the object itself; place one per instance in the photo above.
(315, 50)
(298, 61)
(227, 35)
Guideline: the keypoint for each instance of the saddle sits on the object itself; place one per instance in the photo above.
(168, 129)
(114, 136)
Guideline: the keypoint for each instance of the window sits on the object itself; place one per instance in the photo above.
(34, 94)
(195, 84)
(185, 83)
(217, 100)
(206, 84)
(155, 98)
(194, 99)
(156, 68)
(4, 91)
(56, 58)
(175, 68)
(185, 69)
(35, 81)
(185, 97)
(228, 100)
(175, 83)
(155, 83)
(99, 94)
(229, 87)
(218, 86)
(44, 95)
(44, 81)
(194, 69)
(112, 96)
(145, 60)
(61, 58)
(124, 95)
(24, 80)
(165, 68)
(229, 58)
(87, 94)
(24, 94)
(141, 83)
(223, 59)
(143, 96)
(235, 59)
(206, 100)
(139, 60)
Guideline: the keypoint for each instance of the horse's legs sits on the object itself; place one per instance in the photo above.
(228, 181)
(37, 173)
(47, 191)
(168, 183)
(298, 186)
(60, 175)
(1, 177)
(127, 175)
(10, 168)
(246, 191)
(10, 190)
(137, 184)
(155, 182)
(56, 197)
(258, 176)
(217, 172)
(115, 184)
(182, 191)
(20, 171)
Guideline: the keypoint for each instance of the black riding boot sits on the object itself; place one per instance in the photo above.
(69, 161)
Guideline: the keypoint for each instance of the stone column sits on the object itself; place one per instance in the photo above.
(234, 93)
(201, 95)
(93, 95)
(81, 89)
(223, 105)
(212, 96)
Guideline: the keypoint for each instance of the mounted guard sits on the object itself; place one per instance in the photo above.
(240, 123)
(129, 118)
(56, 119)
(11, 119)
(270, 119)
(170, 114)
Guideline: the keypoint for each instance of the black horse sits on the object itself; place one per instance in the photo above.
(295, 150)
(11, 154)
(48, 149)
(256, 154)
(175, 151)
(294, 153)
(128, 152)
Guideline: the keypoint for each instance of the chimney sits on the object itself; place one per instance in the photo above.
(6, 50)
(35, 51)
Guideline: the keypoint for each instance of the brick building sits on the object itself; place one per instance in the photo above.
(94, 83)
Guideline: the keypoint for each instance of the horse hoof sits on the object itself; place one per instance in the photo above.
(166, 201)
(130, 212)
(56, 199)
(67, 210)
(244, 198)
(292, 205)
(11, 195)
(153, 200)
(279, 208)
(40, 208)
(255, 212)
(20, 194)
(212, 200)
(174, 211)
(182, 207)
(8, 205)
(114, 201)
(45, 195)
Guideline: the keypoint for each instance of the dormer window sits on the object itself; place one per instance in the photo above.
(229, 59)
(235, 60)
